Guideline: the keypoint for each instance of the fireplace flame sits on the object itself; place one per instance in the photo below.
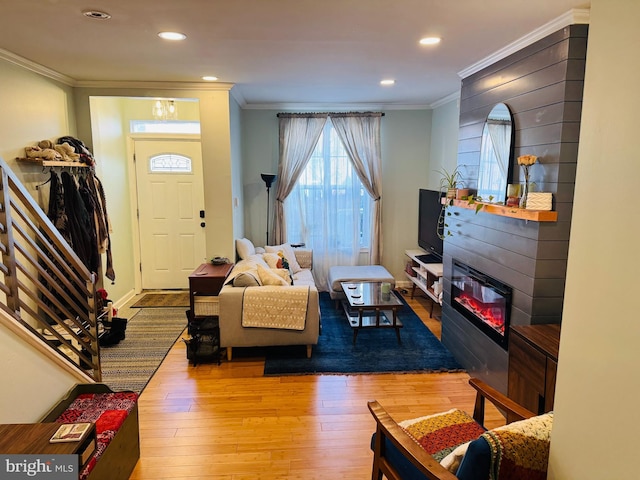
(491, 315)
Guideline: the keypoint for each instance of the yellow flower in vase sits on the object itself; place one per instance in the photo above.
(525, 161)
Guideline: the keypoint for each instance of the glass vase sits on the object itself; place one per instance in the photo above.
(525, 188)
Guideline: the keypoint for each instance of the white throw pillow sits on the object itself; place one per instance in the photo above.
(241, 267)
(258, 260)
(247, 279)
(270, 277)
(272, 259)
(245, 248)
(288, 253)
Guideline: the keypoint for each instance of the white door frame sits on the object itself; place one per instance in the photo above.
(133, 194)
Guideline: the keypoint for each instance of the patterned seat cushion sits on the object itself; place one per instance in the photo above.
(107, 410)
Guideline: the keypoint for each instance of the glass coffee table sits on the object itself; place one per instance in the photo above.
(367, 307)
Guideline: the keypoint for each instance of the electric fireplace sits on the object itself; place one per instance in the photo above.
(483, 300)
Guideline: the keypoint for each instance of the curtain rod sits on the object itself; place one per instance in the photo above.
(329, 114)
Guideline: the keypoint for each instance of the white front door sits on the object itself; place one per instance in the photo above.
(170, 199)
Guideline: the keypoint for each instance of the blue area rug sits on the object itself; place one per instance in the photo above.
(375, 351)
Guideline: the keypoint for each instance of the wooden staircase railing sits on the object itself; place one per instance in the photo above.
(46, 287)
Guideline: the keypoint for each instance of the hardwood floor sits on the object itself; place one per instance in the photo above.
(229, 422)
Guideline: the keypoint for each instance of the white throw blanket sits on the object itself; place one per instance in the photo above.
(275, 307)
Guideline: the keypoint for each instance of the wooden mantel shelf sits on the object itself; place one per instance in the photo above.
(512, 212)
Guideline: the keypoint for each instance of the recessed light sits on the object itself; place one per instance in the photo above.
(430, 41)
(387, 82)
(209, 78)
(96, 14)
(172, 35)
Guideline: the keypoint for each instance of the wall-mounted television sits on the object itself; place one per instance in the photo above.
(428, 214)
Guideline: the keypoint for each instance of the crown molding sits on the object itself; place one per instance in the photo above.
(36, 67)
(444, 100)
(205, 86)
(574, 16)
(238, 97)
(53, 75)
(334, 107)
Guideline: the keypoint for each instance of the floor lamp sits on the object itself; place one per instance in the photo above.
(268, 181)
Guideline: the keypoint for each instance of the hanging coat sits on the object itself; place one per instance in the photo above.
(81, 228)
(57, 212)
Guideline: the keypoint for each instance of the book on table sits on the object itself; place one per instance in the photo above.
(71, 432)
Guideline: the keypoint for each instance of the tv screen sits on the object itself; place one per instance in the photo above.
(428, 213)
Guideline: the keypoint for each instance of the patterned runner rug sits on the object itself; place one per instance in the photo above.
(150, 334)
(156, 300)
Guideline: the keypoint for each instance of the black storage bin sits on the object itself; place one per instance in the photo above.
(204, 344)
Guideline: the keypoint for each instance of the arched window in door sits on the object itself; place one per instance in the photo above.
(170, 163)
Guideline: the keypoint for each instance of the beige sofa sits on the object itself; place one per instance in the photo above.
(231, 298)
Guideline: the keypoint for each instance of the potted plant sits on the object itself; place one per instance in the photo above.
(449, 186)
(449, 183)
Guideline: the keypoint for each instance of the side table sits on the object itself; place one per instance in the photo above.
(207, 280)
(203, 326)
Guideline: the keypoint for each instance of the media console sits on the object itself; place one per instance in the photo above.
(424, 270)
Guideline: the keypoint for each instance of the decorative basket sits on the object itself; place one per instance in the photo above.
(206, 306)
(539, 201)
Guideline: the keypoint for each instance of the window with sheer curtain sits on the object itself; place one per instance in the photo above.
(328, 209)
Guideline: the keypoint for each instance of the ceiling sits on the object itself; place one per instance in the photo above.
(275, 52)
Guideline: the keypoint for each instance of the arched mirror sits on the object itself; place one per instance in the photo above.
(495, 155)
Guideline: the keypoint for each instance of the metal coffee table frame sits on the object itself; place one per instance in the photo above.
(367, 307)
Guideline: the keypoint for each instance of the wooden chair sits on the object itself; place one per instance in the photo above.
(388, 431)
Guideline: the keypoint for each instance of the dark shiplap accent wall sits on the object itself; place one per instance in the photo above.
(542, 85)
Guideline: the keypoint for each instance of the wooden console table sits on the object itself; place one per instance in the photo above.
(533, 362)
(207, 280)
(203, 326)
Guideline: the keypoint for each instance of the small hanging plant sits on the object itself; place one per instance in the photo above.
(448, 185)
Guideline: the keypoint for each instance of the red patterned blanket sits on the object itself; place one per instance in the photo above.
(107, 410)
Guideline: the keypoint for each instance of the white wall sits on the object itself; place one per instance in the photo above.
(31, 383)
(33, 109)
(217, 169)
(595, 432)
(444, 141)
(405, 139)
(260, 147)
(110, 151)
(235, 123)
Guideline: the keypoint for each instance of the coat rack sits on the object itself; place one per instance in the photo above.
(50, 164)
(53, 163)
